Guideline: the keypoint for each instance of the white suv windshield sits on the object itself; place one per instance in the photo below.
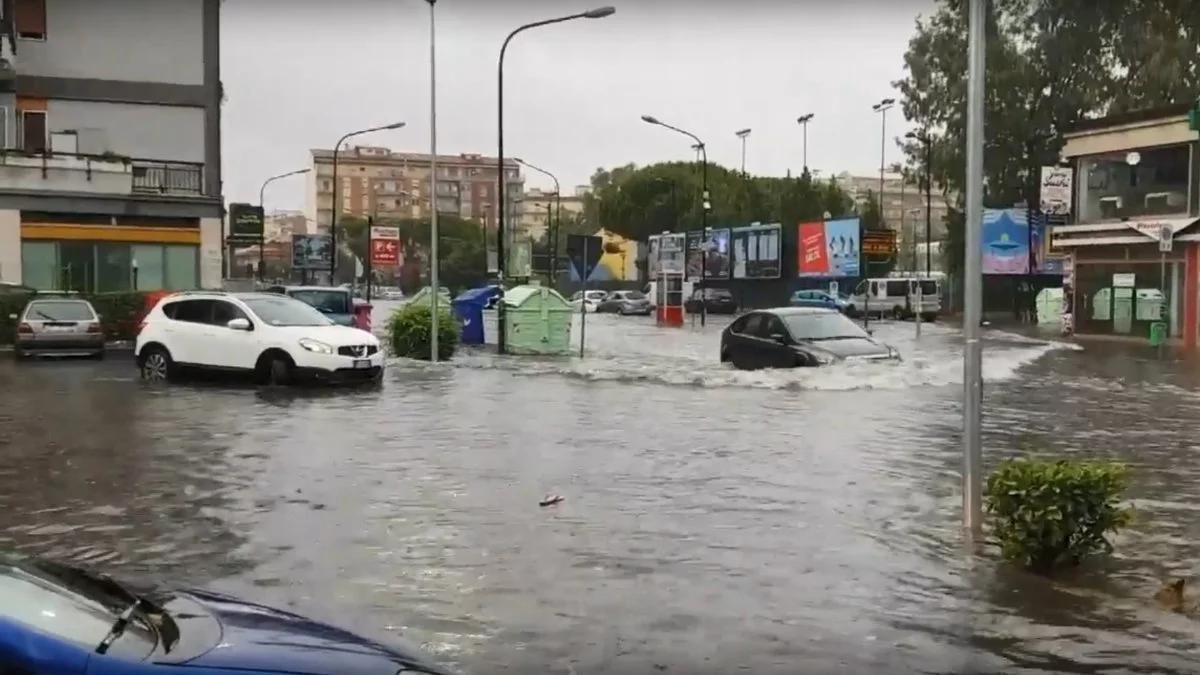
(285, 312)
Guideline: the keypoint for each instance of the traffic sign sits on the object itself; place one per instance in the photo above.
(385, 252)
(1166, 239)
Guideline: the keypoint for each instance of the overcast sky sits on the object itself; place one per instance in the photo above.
(300, 73)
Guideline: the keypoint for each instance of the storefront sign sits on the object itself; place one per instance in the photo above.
(385, 252)
(384, 232)
(245, 222)
(1127, 280)
(1056, 190)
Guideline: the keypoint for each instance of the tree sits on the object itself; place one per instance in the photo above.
(1050, 63)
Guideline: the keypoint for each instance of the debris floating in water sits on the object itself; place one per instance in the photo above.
(550, 500)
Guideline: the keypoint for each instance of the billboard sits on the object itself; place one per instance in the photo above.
(827, 249)
(756, 251)
(1006, 238)
(385, 253)
(245, 222)
(712, 253)
(1056, 188)
(666, 253)
(311, 252)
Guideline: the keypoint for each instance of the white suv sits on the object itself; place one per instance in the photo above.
(275, 337)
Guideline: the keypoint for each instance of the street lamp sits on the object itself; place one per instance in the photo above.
(924, 138)
(803, 120)
(334, 207)
(598, 13)
(557, 219)
(882, 107)
(434, 286)
(742, 135)
(262, 256)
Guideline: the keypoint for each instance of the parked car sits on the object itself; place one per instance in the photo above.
(625, 303)
(58, 325)
(788, 337)
(393, 294)
(56, 618)
(335, 302)
(716, 301)
(275, 338)
(590, 300)
(817, 298)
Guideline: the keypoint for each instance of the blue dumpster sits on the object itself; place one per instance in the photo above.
(468, 308)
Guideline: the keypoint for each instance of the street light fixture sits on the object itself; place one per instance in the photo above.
(336, 205)
(705, 204)
(557, 219)
(803, 121)
(882, 107)
(925, 139)
(742, 135)
(262, 256)
(598, 13)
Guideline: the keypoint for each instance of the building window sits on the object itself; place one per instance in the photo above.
(1110, 187)
(326, 186)
(30, 19)
(103, 266)
(39, 265)
(33, 130)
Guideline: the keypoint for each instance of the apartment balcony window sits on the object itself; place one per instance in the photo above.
(179, 178)
(1152, 182)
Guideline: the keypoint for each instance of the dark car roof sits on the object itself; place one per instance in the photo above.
(792, 311)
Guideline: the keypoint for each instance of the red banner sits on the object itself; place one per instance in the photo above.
(811, 252)
(385, 252)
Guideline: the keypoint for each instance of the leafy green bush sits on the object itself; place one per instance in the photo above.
(10, 303)
(1053, 514)
(409, 328)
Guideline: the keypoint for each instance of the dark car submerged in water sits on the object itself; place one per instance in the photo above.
(791, 337)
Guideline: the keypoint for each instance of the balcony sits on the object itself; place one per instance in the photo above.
(98, 174)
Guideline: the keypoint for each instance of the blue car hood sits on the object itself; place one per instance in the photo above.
(255, 637)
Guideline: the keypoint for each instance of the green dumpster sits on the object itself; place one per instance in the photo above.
(1158, 333)
(538, 321)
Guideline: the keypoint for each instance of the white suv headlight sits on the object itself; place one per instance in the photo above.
(315, 346)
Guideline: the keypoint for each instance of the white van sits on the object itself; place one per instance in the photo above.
(897, 297)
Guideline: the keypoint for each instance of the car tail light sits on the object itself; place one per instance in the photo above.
(93, 328)
(24, 328)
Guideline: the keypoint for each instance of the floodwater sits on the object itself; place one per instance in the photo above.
(714, 521)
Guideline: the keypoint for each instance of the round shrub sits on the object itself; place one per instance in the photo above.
(409, 328)
(1055, 514)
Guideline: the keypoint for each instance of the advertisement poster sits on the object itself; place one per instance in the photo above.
(811, 254)
(756, 251)
(245, 222)
(385, 253)
(841, 240)
(311, 251)
(713, 252)
(1056, 190)
(667, 253)
(1043, 262)
(653, 242)
(1005, 243)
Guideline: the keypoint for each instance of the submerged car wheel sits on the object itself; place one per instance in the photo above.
(279, 371)
(156, 365)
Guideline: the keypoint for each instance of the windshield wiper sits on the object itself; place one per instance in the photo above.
(118, 627)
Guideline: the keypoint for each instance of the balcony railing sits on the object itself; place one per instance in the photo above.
(169, 178)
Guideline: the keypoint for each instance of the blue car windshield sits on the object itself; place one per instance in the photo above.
(76, 612)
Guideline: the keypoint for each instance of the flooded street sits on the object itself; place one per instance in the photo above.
(715, 520)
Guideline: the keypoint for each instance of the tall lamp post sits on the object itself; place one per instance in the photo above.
(882, 107)
(705, 204)
(434, 285)
(262, 244)
(598, 13)
(925, 139)
(803, 120)
(743, 134)
(557, 219)
(336, 204)
(972, 481)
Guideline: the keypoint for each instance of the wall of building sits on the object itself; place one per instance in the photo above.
(210, 252)
(169, 133)
(128, 40)
(10, 246)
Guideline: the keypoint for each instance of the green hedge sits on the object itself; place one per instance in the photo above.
(1055, 514)
(119, 313)
(409, 330)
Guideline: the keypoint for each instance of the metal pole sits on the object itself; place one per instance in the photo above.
(743, 156)
(704, 228)
(434, 286)
(972, 480)
(557, 224)
(333, 211)
(500, 328)
(806, 145)
(370, 224)
(920, 305)
(928, 204)
(583, 299)
(882, 153)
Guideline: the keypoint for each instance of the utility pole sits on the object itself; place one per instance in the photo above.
(972, 481)
(434, 286)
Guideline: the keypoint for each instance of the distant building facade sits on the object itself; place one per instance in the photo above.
(376, 181)
(537, 205)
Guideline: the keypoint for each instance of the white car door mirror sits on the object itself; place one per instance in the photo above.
(238, 324)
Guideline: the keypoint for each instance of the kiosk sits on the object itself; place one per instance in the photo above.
(668, 305)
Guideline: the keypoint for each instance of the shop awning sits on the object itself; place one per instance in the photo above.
(1132, 231)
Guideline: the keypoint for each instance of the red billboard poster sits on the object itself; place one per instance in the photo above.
(385, 252)
(812, 255)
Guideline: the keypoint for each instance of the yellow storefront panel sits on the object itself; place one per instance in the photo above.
(143, 235)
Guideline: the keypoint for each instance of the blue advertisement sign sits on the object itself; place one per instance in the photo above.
(1006, 238)
(841, 238)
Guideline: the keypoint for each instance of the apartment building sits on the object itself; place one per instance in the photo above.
(903, 200)
(536, 206)
(376, 181)
(110, 121)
